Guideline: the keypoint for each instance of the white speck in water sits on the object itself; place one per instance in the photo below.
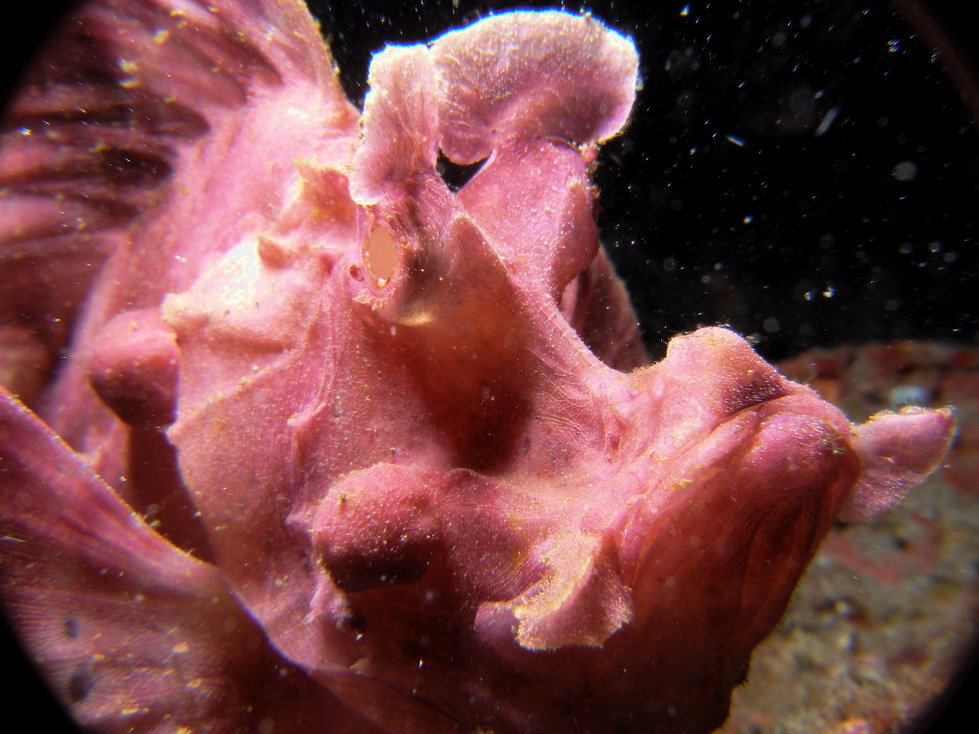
(905, 171)
(827, 120)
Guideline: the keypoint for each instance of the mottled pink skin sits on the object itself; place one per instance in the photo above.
(404, 417)
(131, 633)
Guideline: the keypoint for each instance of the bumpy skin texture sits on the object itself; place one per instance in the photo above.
(339, 445)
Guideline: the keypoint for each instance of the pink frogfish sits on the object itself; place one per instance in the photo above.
(298, 438)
